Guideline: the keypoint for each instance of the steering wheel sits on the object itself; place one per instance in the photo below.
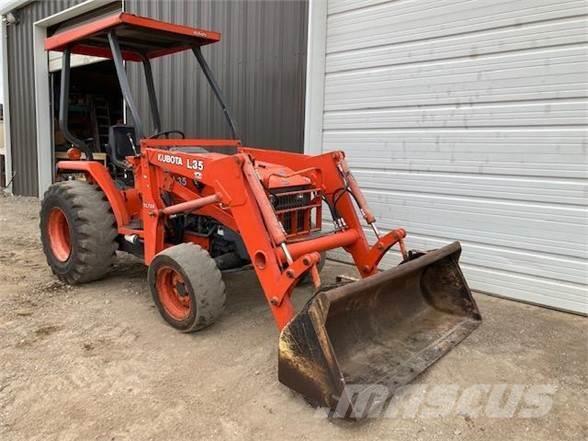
(166, 133)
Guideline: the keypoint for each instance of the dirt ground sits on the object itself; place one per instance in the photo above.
(96, 362)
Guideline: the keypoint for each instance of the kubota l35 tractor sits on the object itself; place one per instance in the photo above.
(193, 208)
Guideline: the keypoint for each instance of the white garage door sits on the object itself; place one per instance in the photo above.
(466, 120)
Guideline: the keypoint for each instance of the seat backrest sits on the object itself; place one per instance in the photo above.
(119, 143)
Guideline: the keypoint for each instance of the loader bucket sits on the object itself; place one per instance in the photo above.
(383, 330)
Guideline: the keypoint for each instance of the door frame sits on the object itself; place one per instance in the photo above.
(42, 93)
(6, 88)
(314, 100)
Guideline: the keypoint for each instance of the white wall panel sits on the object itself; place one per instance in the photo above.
(522, 76)
(466, 120)
(373, 23)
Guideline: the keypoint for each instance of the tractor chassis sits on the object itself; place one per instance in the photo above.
(234, 196)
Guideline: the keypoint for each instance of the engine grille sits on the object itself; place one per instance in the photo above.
(298, 209)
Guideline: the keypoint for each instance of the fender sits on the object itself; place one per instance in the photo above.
(101, 177)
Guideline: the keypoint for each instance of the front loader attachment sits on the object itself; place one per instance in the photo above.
(383, 330)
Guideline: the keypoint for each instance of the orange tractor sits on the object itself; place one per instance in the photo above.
(191, 212)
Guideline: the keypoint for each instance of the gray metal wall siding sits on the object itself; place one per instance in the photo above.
(22, 94)
(467, 121)
(260, 65)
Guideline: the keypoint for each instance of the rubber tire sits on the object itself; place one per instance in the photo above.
(92, 231)
(203, 281)
(307, 278)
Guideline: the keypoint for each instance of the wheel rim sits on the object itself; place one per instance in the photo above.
(173, 294)
(58, 231)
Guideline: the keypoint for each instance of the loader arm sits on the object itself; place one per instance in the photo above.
(243, 205)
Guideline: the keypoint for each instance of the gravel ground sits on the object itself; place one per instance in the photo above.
(96, 362)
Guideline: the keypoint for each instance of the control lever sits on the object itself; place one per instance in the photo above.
(132, 143)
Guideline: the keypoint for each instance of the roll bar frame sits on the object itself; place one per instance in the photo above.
(123, 81)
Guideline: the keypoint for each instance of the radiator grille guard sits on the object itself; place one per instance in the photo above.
(298, 209)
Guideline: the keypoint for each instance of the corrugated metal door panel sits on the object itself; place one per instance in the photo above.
(558, 153)
(260, 65)
(394, 22)
(535, 114)
(467, 121)
(537, 74)
(542, 34)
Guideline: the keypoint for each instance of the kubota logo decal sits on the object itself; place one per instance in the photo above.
(169, 159)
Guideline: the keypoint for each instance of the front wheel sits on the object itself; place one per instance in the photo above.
(187, 287)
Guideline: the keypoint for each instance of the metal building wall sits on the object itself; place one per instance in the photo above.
(22, 94)
(468, 122)
(260, 65)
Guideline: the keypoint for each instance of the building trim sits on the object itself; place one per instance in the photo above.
(42, 112)
(6, 86)
(315, 77)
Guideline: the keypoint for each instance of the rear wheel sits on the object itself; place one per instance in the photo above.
(187, 287)
(77, 231)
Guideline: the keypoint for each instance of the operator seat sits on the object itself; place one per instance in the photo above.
(121, 139)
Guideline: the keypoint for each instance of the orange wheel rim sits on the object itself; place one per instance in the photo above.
(173, 293)
(58, 231)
